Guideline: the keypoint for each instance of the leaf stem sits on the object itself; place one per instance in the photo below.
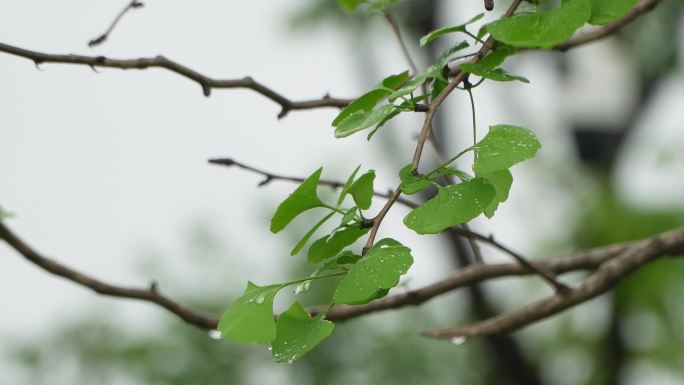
(472, 109)
(449, 161)
(290, 283)
(335, 209)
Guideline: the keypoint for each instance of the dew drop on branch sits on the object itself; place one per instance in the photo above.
(215, 334)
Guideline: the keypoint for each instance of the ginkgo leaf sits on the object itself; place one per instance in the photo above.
(503, 147)
(446, 30)
(453, 205)
(350, 5)
(309, 234)
(542, 29)
(328, 247)
(502, 181)
(362, 190)
(411, 184)
(360, 120)
(345, 188)
(250, 317)
(605, 11)
(365, 104)
(373, 275)
(302, 199)
(297, 333)
(498, 74)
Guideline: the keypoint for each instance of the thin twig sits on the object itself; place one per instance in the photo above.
(394, 26)
(544, 273)
(269, 177)
(129, 7)
(204, 81)
(601, 281)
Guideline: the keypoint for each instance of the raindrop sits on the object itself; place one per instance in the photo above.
(292, 359)
(260, 299)
(270, 348)
(302, 287)
(215, 334)
(458, 340)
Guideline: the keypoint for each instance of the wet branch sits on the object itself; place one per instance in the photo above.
(207, 83)
(602, 280)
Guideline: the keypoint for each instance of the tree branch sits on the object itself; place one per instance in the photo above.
(465, 277)
(150, 294)
(204, 81)
(269, 177)
(604, 279)
(129, 7)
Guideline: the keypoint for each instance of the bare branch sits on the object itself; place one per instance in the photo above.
(478, 273)
(549, 276)
(465, 277)
(134, 4)
(269, 177)
(609, 29)
(150, 294)
(394, 26)
(604, 279)
(204, 81)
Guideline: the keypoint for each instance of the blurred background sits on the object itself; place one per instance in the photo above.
(106, 171)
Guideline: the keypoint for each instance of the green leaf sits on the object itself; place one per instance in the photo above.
(393, 82)
(376, 273)
(345, 258)
(443, 58)
(449, 170)
(453, 205)
(365, 103)
(250, 317)
(445, 30)
(370, 99)
(384, 120)
(348, 216)
(330, 246)
(437, 87)
(350, 5)
(302, 199)
(497, 74)
(361, 120)
(502, 181)
(605, 11)
(362, 190)
(497, 56)
(432, 72)
(297, 333)
(345, 188)
(503, 147)
(543, 29)
(410, 184)
(309, 234)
